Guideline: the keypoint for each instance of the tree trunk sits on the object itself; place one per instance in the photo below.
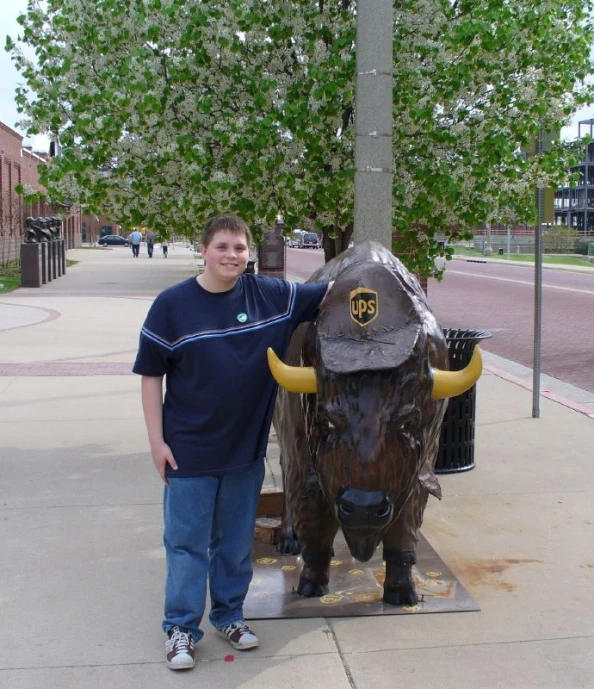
(336, 240)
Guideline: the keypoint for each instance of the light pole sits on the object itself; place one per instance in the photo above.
(373, 122)
(488, 249)
(537, 300)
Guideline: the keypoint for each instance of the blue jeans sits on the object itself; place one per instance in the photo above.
(208, 536)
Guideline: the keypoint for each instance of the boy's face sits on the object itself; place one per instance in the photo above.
(226, 256)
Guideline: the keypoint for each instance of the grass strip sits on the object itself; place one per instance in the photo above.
(551, 259)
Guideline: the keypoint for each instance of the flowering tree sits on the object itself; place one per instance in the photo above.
(169, 111)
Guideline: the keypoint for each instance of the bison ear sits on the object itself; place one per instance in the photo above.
(448, 384)
(300, 379)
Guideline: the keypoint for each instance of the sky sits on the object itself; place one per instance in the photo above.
(10, 78)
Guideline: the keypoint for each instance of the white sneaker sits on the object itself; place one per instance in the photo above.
(239, 635)
(180, 650)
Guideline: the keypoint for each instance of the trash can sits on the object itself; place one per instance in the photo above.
(500, 252)
(456, 443)
(251, 266)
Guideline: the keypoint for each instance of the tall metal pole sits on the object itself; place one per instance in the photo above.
(488, 249)
(538, 292)
(373, 122)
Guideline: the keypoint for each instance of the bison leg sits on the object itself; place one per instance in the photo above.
(400, 543)
(316, 528)
(399, 586)
(288, 543)
(315, 575)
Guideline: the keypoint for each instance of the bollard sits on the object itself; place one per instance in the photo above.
(44, 278)
(31, 265)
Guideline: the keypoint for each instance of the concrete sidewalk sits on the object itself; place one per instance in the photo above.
(82, 567)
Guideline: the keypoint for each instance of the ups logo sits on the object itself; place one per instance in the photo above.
(364, 305)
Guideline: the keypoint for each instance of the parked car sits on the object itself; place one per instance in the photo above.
(291, 242)
(309, 240)
(113, 240)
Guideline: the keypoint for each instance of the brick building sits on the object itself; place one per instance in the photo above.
(18, 165)
(94, 227)
(574, 206)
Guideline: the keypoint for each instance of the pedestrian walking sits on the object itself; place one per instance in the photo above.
(135, 239)
(165, 247)
(207, 337)
(150, 243)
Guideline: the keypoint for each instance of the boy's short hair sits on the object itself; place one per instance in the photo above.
(232, 223)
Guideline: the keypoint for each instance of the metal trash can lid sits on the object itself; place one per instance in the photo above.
(462, 335)
(461, 344)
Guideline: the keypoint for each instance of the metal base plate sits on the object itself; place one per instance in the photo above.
(355, 588)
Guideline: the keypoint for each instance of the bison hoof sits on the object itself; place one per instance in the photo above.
(310, 589)
(288, 544)
(405, 595)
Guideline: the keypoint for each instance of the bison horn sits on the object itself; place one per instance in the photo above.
(452, 383)
(446, 384)
(292, 378)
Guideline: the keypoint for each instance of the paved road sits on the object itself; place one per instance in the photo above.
(499, 298)
(301, 263)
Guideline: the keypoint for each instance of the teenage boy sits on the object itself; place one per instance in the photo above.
(207, 336)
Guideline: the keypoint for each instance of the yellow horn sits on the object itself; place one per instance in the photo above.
(292, 378)
(451, 383)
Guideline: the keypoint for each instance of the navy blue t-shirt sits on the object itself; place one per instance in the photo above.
(211, 348)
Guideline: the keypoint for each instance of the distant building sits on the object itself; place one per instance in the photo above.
(94, 227)
(18, 165)
(574, 206)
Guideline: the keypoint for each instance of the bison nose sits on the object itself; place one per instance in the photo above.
(360, 509)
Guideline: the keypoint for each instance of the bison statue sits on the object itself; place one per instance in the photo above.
(362, 394)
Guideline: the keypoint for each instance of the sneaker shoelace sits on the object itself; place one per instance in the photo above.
(237, 626)
(181, 641)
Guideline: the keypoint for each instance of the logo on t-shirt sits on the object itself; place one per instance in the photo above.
(242, 317)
